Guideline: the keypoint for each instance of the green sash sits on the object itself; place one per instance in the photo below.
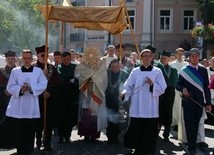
(192, 76)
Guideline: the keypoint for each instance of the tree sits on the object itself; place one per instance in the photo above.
(22, 25)
(209, 10)
(6, 26)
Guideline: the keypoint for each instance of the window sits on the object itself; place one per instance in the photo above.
(165, 20)
(132, 18)
(188, 19)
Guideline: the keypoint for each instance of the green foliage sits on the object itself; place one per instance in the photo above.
(207, 32)
(6, 25)
(21, 26)
(210, 9)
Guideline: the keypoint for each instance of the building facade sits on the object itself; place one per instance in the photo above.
(163, 24)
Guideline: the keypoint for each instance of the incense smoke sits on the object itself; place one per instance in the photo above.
(26, 33)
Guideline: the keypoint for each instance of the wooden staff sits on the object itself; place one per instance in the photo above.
(120, 53)
(62, 37)
(130, 26)
(46, 60)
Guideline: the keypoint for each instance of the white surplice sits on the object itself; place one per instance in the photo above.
(177, 118)
(144, 104)
(26, 105)
(109, 59)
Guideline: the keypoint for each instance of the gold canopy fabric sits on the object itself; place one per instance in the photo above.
(109, 18)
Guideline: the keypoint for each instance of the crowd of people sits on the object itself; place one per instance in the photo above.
(131, 98)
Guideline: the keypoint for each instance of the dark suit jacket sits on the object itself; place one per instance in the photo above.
(196, 94)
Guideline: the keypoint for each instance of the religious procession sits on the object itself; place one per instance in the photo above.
(134, 99)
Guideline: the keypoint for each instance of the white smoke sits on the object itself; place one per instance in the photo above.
(27, 32)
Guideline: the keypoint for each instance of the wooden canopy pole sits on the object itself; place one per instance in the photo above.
(120, 53)
(62, 37)
(46, 60)
(130, 26)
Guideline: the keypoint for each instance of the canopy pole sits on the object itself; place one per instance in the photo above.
(46, 60)
(130, 26)
(62, 37)
(120, 53)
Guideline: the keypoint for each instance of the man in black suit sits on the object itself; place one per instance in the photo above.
(193, 84)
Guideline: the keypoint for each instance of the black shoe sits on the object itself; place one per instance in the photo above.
(60, 141)
(48, 149)
(113, 141)
(87, 139)
(93, 140)
(38, 144)
(175, 128)
(110, 141)
(68, 141)
(166, 139)
(116, 141)
(192, 152)
(202, 145)
(20, 153)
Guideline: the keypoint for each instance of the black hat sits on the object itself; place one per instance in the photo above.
(10, 54)
(165, 53)
(40, 49)
(194, 51)
(150, 48)
(57, 53)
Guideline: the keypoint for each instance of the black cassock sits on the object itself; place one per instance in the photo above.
(4, 99)
(51, 106)
(69, 96)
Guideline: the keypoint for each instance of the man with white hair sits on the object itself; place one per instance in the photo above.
(110, 55)
(74, 56)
